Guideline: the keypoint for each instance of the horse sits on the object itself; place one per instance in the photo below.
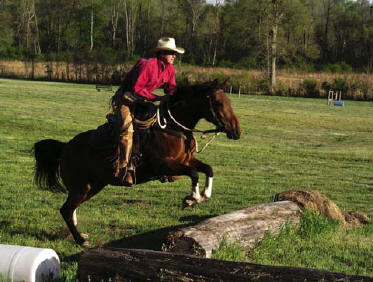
(166, 150)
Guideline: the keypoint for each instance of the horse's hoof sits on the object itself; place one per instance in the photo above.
(85, 244)
(84, 236)
(189, 202)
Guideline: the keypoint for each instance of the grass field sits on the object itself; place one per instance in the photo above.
(287, 143)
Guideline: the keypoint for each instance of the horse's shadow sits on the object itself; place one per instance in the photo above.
(154, 239)
(151, 240)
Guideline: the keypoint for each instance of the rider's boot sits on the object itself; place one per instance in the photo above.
(124, 172)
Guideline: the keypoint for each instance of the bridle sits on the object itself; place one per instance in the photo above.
(218, 129)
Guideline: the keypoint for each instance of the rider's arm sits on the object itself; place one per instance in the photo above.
(170, 86)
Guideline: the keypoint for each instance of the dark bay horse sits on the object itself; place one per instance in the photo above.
(85, 170)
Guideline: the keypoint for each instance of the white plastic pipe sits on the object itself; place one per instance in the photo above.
(18, 263)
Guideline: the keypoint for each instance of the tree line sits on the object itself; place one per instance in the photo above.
(307, 34)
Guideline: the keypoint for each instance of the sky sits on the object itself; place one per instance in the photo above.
(213, 1)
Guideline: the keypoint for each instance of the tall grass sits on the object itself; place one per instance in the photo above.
(289, 82)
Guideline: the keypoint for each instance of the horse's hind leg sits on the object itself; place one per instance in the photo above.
(75, 221)
(69, 215)
(68, 210)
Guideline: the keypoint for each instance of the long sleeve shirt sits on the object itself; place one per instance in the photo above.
(148, 75)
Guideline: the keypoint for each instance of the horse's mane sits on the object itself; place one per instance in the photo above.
(186, 89)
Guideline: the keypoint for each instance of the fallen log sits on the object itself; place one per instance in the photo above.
(146, 265)
(246, 226)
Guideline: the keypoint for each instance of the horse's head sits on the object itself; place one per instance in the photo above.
(208, 101)
(219, 111)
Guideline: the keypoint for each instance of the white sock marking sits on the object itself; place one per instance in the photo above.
(75, 218)
(208, 187)
(195, 192)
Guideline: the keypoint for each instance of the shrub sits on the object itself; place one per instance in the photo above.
(248, 62)
(358, 89)
(280, 89)
(346, 67)
(309, 88)
(340, 84)
(225, 64)
(335, 68)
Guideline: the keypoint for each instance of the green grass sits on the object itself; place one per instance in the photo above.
(317, 242)
(287, 143)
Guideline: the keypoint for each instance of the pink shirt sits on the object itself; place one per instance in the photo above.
(149, 74)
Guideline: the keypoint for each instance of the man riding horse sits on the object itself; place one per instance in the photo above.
(139, 83)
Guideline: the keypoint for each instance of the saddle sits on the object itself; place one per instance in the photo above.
(105, 137)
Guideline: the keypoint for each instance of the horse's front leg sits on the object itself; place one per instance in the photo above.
(207, 170)
(173, 168)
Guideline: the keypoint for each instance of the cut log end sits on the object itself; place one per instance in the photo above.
(178, 243)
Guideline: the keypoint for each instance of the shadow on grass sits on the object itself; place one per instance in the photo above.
(154, 239)
(151, 240)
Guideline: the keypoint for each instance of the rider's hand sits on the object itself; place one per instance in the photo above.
(161, 99)
(158, 98)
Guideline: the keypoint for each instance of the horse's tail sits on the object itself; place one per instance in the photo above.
(47, 175)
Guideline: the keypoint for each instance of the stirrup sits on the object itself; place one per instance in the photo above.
(125, 177)
(131, 173)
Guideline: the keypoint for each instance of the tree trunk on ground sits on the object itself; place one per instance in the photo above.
(246, 226)
(146, 265)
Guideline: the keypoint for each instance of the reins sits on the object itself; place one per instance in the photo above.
(207, 144)
(217, 131)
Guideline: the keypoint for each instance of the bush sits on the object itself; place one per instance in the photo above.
(248, 62)
(11, 53)
(280, 89)
(225, 64)
(335, 68)
(340, 84)
(309, 88)
(358, 89)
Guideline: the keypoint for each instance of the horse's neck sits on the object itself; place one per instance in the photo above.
(187, 115)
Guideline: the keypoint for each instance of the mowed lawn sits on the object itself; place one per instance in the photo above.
(286, 143)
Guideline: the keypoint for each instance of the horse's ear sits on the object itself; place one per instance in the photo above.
(224, 83)
(215, 83)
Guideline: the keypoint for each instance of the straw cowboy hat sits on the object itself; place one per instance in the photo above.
(168, 44)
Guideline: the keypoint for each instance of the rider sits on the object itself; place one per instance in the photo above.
(146, 76)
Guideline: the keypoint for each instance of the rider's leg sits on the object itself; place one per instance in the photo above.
(125, 147)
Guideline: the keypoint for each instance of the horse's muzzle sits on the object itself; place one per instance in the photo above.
(234, 134)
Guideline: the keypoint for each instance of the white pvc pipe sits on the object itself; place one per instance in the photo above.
(18, 263)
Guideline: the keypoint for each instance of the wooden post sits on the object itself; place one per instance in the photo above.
(239, 91)
(230, 90)
(330, 97)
